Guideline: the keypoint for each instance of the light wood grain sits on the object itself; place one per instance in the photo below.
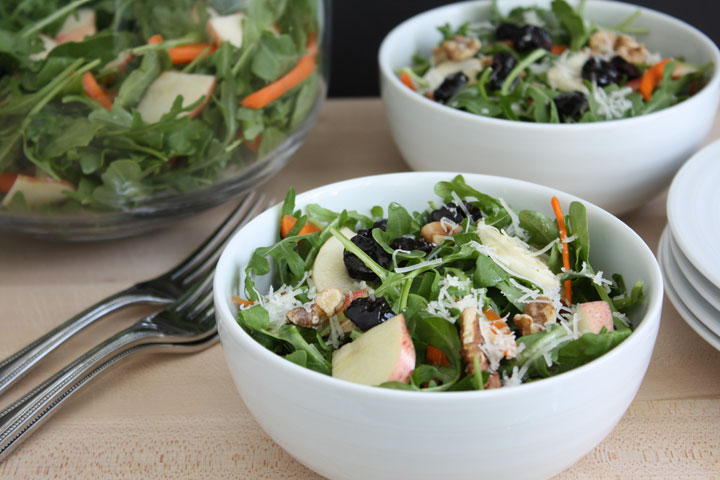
(173, 417)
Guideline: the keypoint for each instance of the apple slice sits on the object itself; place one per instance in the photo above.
(161, 94)
(384, 353)
(38, 191)
(48, 44)
(329, 268)
(593, 316)
(77, 26)
(119, 63)
(226, 28)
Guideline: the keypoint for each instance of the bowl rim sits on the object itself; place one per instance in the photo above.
(229, 326)
(388, 76)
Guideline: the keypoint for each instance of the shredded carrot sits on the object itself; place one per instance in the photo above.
(302, 70)
(254, 145)
(407, 80)
(157, 38)
(95, 91)
(188, 53)
(565, 249)
(558, 49)
(651, 77)
(242, 301)
(435, 356)
(6, 181)
(497, 322)
(288, 222)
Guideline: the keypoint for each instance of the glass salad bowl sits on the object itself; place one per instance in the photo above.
(121, 117)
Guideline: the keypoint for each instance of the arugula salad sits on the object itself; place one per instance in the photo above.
(105, 104)
(551, 66)
(469, 294)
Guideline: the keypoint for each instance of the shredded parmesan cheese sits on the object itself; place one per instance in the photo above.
(613, 105)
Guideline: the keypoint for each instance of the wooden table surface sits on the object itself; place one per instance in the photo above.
(175, 417)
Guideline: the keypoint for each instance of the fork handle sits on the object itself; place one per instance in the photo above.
(20, 420)
(19, 363)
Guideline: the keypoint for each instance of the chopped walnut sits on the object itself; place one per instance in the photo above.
(328, 302)
(525, 324)
(632, 51)
(436, 232)
(458, 49)
(493, 382)
(472, 341)
(541, 310)
(603, 42)
(537, 314)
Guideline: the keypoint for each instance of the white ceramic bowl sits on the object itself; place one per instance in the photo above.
(618, 165)
(344, 430)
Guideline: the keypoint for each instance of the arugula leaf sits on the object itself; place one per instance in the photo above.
(573, 23)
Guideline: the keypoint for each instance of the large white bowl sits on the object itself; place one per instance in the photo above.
(618, 165)
(349, 431)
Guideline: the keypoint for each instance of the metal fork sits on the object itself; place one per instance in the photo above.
(162, 289)
(187, 325)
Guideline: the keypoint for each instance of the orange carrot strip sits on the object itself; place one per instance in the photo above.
(242, 301)
(302, 70)
(566, 250)
(157, 38)
(558, 49)
(95, 91)
(188, 53)
(496, 321)
(288, 222)
(6, 181)
(651, 77)
(435, 356)
(407, 80)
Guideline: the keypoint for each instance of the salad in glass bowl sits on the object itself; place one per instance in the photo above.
(468, 294)
(116, 115)
(551, 65)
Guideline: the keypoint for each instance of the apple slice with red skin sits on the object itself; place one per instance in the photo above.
(226, 28)
(385, 353)
(593, 316)
(161, 94)
(38, 191)
(77, 26)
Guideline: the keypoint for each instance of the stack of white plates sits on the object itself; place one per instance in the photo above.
(689, 249)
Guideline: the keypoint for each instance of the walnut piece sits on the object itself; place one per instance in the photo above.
(632, 51)
(602, 42)
(328, 302)
(493, 382)
(436, 232)
(457, 49)
(537, 314)
(472, 341)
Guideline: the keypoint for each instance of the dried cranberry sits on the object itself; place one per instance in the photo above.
(524, 37)
(452, 212)
(410, 243)
(502, 65)
(452, 84)
(600, 72)
(367, 313)
(355, 267)
(571, 105)
(625, 68)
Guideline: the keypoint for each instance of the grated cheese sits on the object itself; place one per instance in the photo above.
(612, 105)
(515, 228)
(566, 74)
(426, 263)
